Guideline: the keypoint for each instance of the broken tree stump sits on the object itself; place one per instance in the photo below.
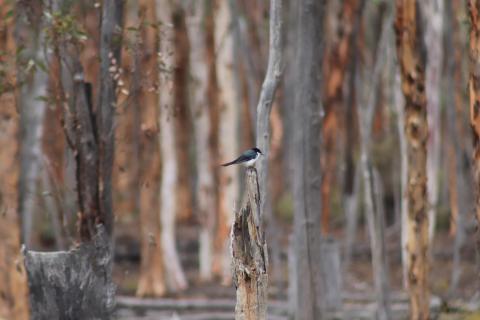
(75, 284)
(249, 254)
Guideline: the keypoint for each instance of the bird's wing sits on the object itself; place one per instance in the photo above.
(244, 157)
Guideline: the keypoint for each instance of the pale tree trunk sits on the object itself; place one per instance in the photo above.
(474, 96)
(151, 280)
(267, 96)
(33, 82)
(228, 135)
(168, 185)
(196, 27)
(13, 282)
(249, 254)
(411, 57)
(309, 302)
(433, 11)
(375, 216)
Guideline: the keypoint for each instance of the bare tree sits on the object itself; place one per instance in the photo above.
(411, 57)
(227, 132)
(176, 280)
(306, 172)
(33, 80)
(433, 9)
(196, 25)
(13, 283)
(151, 281)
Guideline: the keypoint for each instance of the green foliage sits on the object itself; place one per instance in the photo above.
(63, 28)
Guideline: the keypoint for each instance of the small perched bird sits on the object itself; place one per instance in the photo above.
(247, 158)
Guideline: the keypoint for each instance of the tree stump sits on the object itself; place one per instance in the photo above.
(75, 284)
(249, 255)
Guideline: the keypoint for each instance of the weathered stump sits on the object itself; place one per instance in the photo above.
(249, 255)
(75, 284)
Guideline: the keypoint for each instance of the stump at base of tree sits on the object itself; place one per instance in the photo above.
(249, 255)
(75, 284)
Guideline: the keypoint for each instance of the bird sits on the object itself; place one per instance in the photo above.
(248, 158)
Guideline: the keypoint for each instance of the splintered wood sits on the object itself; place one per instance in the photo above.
(249, 255)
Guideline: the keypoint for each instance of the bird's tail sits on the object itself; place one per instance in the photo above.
(229, 163)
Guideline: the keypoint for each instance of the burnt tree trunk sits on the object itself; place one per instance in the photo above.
(411, 57)
(249, 255)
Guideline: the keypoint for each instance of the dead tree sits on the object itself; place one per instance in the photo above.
(77, 284)
(249, 255)
(411, 56)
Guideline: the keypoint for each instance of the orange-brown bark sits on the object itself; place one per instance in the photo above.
(335, 67)
(411, 57)
(13, 282)
(151, 281)
(474, 97)
(182, 118)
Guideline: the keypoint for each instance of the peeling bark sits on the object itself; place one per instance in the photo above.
(411, 55)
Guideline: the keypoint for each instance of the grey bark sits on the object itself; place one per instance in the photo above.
(33, 82)
(309, 302)
(75, 284)
(110, 49)
(375, 216)
(264, 108)
(249, 254)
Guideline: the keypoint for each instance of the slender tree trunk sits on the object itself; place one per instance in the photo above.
(176, 280)
(306, 172)
(335, 70)
(411, 57)
(228, 134)
(375, 216)
(33, 81)
(249, 255)
(474, 96)
(199, 73)
(151, 281)
(433, 9)
(110, 49)
(183, 125)
(13, 282)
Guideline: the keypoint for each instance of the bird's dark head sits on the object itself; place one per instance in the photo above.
(257, 150)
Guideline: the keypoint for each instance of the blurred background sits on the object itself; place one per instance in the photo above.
(188, 83)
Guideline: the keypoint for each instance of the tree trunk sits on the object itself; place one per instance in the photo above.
(249, 255)
(199, 73)
(411, 57)
(110, 49)
(228, 135)
(33, 82)
(152, 276)
(433, 9)
(306, 172)
(85, 291)
(375, 216)
(168, 186)
(13, 282)
(335, 70)
(474, 96)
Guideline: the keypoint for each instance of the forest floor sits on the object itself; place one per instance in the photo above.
(210, 301)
